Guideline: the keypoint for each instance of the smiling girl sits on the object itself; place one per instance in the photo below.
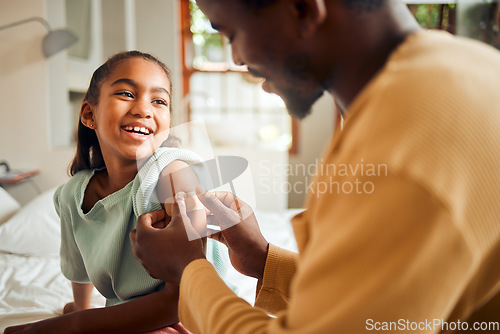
(124, 120)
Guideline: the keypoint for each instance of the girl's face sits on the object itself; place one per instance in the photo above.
(132, 117)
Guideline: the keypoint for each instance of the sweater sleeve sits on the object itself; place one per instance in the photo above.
(207, 305)
(273, 292)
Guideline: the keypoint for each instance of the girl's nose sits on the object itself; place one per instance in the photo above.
(142, 109)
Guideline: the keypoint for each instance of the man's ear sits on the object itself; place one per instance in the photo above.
(311, 13)
(87, 115)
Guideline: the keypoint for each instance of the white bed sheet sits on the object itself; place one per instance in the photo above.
(32, 288)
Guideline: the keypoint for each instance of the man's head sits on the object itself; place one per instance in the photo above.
(266, 39)
(304, 47)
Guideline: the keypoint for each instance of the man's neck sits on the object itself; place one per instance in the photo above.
(373, 38)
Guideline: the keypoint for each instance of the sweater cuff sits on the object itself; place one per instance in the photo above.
(273, 290)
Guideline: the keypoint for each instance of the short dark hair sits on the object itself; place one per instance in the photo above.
(88, 151)
(257, 4)
(360, 5)
(364, 5)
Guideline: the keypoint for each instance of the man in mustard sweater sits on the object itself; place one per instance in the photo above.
(408, 239)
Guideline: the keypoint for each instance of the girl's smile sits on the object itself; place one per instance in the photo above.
(137, 131)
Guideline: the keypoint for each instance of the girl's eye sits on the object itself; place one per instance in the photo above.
(127, 94)
(160, 101)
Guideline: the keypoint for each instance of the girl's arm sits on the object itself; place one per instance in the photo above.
(153, 311)
(82, 292)
(177, 177)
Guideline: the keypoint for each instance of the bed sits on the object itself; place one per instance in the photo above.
(31, 285)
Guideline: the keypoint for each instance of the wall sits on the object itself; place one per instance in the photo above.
(315, 133)
(34, 89)
(24, 99)
(158, 32)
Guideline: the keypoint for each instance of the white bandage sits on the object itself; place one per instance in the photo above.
(193, 202)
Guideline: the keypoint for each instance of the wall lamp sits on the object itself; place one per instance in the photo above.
(55, 40)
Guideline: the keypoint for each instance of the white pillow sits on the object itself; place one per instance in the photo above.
(34, 230)
(8, 206)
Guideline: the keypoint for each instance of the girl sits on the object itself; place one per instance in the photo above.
(124, 119)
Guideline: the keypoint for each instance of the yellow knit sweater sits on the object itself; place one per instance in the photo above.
(402, 228)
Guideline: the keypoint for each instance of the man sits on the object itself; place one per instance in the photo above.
(407, 238)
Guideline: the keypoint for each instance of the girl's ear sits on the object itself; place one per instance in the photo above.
(87, 115)
(312, 13)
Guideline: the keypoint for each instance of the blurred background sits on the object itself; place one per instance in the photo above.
(41, 94)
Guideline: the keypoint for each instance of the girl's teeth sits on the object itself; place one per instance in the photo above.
(138, 129)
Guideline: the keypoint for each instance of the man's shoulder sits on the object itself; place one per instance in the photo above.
(438, 54)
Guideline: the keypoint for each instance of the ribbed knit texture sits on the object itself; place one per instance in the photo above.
(95, 245)
(273, 292)
(146, 199)
(403, 219)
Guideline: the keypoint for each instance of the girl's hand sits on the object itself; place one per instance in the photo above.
(71, 307)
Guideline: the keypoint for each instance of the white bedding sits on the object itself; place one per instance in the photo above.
(32, 287)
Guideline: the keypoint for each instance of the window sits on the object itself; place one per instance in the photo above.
(218, 91)
(435, 16)
(474, 19)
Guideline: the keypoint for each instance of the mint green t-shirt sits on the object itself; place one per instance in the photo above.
(95, 246)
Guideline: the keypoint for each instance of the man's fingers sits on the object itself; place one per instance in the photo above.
(179, 207)
(179, 213)
(147, 220)
(212, 221)
(224, 215)
(218, 236)
(132, 237)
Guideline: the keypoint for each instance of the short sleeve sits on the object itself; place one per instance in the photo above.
(56, 199)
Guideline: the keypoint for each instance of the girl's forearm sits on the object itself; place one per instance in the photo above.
(156, 310)
(82, 293)
(143, 314)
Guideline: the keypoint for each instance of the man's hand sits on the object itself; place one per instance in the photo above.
(239, 231)
(165, 252)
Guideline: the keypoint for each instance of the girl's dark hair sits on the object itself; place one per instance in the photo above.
(88, 152)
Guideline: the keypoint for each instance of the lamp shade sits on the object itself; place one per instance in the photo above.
(54, 41)
(57, 40)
